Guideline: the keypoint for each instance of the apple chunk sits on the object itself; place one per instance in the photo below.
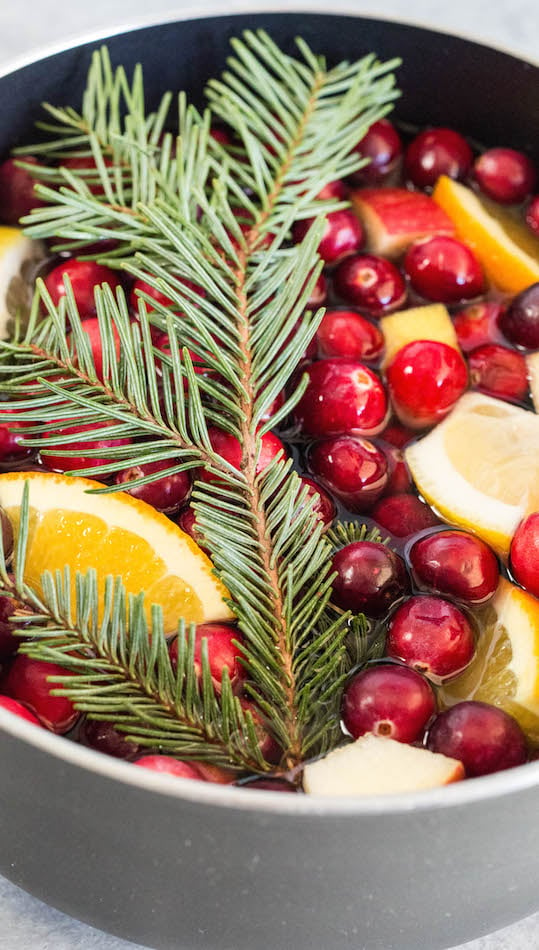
(374, 765)
(532, 362)
(394, 217)
(431, 322)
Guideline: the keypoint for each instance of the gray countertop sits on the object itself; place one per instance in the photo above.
(26, 923)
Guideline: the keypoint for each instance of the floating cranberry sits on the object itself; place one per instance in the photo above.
(83, 276)
(436, 152)
(343, 397)
(103, 737)
(456, 564)
(520, 322)
(170, 766)
(54, 460)
(28, 682)
(483, 737)
(505, 175)
(403, 515)
(324, 508)
(188, 523)
(342, 235)
(499, 372)
(432, 636)
(388, 700)
(399, 477)
(477, 324)
(221, 640)
(17, 190)
(524, 554)
(354, 470)
(11, 433)
(371, 283)
(443, 269)
(370, 578)
(228, 448)
(532, 215)
(425, 380)
(383, 147)
(12, 706)
(166, 494)
(346, 334)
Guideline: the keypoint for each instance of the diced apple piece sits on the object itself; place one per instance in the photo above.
(394, 217)
(532, 362)
(374, 765)
(431, 322)
(16, 251)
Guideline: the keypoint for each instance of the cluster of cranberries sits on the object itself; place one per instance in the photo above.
(348, 430)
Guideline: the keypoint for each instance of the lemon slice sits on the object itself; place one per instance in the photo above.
(505, 669)
(115, 534)
(479, 468)
(508, 250)
(15, 250)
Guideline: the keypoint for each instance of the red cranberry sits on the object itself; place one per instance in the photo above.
(273, 407)
(397, 434)
(354, 470)
(324, 509)
(170, 766)
(399, 478)
(17, 195)
(268, 746)
(520, 322)
(333, 190)
(524, 554)
(140, 287)
(228, 448)
(345, 333)
(370, 578)
(187, 522)
(9, 640)
(371, 283)
(92, 330)
(443, 269)
(499, 372)
(28, 682)
(505, 175)
(53, 459)
(86, 163)
(11, 433)
(477, 324)
(432, 636)
(436, 152)
(318, 295)
(342, 235)
(6, 529)
(220, 643)
(403, 515)
(343, 398)
(388, 700)
(483, 737)
(103, 737)
(84, 276)
(12, 706)
(532, 215)
(383, 147)
(221, 135)
(456, 564)
(167, 494)
(425, 380)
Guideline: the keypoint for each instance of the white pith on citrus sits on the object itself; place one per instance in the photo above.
(15, 250)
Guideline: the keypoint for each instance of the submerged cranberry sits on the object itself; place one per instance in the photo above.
(477, 324)
(370, 578)
(103, 737)
(499, 372)
(343, 397)
(431, 635)
(188, 523)
(388, 700)
(483, 737)
(324, 507)
(524, 554)
(403, 515)
(425, 380)
(11, 433)
(28, 682)
(436, 152)
(91, 328)
(520, 322)
(53, 459)
(345, 333)
(382, 146)
(83, 276)
(342, 235)
(443, 269)
(532, 215)
(17, 190)
(399, 478)
(354, 470)
(142, 289)
(505, 175)
(270, 785)
(456, 564)
(166, 494)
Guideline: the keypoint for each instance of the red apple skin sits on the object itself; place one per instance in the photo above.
(394, 217)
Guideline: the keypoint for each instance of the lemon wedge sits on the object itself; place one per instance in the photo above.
(479, 468)
(505, 669)
(15, 251)
(115, 534)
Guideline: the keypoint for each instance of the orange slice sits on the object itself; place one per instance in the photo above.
(115, 534)
(507, 250)
(431, 322)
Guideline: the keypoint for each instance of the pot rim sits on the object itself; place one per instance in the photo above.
(481, 789)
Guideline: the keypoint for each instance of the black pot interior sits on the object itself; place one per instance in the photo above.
(484, 93)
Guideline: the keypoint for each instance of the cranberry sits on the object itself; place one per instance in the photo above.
(520, 322)
(388, 700)
(403, 515)
(28, 682)
(319, 293)
(431, 635)
(221, 135)
(371, 283)
(6, 528)
(167, 494)
(499, 372)
(345, 333)
(505, 175)
(83, 276)
(86, 163)
(342, 398)
(228, 448)
(436, 152)
(222, 651)
(170, 766)
(399, 478)
(397, 434)
(456, 564)
(92, 330)
(268, 746)
(443, 269)
(333, 190)
(477, 324)
(370, 578)
(342, 235)
(483, 737)
(383, 147)
(524, 554)
(17, 194)
(273, 407)
(270, 785)
(141, 288)
(11, 433)
(353, 469)
(532, 215)
(53, 459)
(9, 640)
(425, 380)
(324, 508)
(103, 737)
(187, 522)
(18, 709)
